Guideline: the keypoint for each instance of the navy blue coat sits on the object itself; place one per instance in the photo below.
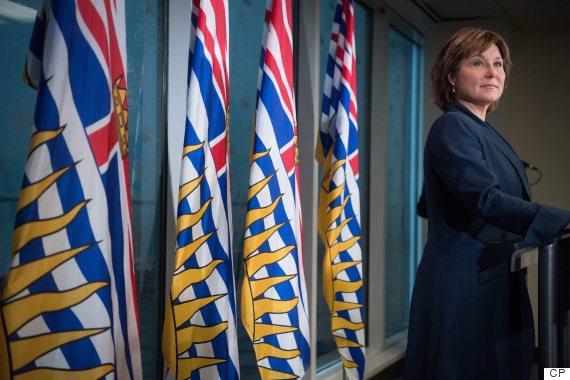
(470, 317)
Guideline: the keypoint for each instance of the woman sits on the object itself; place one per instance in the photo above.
(470, 316)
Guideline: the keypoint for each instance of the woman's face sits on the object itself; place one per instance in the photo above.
(480, 78)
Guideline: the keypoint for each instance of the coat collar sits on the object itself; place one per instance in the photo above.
(498, 140)
(458, 107)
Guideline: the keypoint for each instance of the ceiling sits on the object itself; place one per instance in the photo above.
(521, 13)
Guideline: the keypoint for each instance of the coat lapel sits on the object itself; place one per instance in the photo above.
(509, 152)
(500, 143)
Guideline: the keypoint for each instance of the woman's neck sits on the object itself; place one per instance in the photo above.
(477, 110)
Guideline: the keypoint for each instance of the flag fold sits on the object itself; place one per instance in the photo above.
(274, 307)
(199, 334)
(69, 306)
(339, 200)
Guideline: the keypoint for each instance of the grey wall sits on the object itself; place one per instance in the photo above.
(537, 108)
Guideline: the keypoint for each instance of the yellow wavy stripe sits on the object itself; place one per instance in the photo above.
(328, 278)
(326, 161)
(169, 337)
(191, 148)
(198, 334)
(325, 219)
(190, 277)
(255, 156)
(264, 350)
(268, 305)
(319, 153)
(253, 242)
(335, 212)
(41, 137)
(188, 365)
(341, 306)
(339, 323)
(348, 363)
(254, 263)
(23, 310)
(63, 374)
(334, 233)
(271, 374)
(188, 220)
(185, 310)
(256, 188)
(258, 287)
(32, 192)
(246, 310)
(344, 343)
(325, 178)
(4, 358)
(22, 276)
(260, 213)
(189, 187)
(337, 268)
(26, 350)
(342, 246)
(184, 253)
(328, 196)
(26, 232)
(263, 330)
(341, 286)
(330, 174)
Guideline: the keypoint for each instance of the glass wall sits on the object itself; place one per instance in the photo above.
(326, 348)
(147, 134)
(17, 104)
(246, 29)
(402, 228)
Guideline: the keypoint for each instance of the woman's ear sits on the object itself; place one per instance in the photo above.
(451, 79)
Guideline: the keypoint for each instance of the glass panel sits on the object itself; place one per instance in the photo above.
(246, 28)
(145, 52)
(401, 181)
(326, 348)
(17, 104)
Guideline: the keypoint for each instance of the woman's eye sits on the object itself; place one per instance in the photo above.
(478, 63)
(498, 64)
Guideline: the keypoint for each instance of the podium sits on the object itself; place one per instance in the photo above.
(553, 299)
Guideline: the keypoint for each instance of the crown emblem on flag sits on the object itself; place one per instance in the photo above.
(121, 114)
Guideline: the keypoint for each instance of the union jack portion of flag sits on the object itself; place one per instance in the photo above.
(199, 336)
(69, 304)
(339, 202)
(274, 305)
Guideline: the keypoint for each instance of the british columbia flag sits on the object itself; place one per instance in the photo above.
(339, 201)
(199, 335)
(69, 304)
(274, 305)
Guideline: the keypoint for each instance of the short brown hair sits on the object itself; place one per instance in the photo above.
(463, 44)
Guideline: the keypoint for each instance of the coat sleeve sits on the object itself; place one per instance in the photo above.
(453, 150)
